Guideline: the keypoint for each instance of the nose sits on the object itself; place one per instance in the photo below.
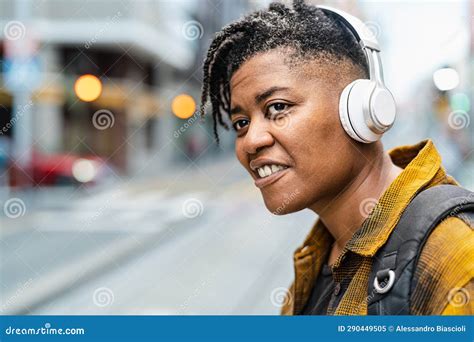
(258, 136)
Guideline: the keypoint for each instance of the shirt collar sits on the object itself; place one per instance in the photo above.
(421, 162)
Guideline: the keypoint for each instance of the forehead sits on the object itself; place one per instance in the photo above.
(260, 70)
(281, 67)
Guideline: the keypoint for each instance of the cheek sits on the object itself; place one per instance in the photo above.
(240, 153)
(322, 155)
(316, 137)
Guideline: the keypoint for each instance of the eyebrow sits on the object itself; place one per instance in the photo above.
(259, 98)
(267, 93)
(235, 110)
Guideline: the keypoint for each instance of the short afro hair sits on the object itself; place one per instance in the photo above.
(305, 29)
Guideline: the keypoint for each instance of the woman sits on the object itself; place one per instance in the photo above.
(280, 76)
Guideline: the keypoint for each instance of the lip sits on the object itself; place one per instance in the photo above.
(263, 182)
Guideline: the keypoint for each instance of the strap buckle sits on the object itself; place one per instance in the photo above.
(384, 286)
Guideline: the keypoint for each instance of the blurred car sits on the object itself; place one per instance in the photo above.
(61, 169)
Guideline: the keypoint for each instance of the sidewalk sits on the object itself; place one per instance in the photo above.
(178, 244)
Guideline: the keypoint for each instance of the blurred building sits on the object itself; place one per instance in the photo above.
(143, 52)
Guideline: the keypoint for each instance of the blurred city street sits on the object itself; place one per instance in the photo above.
(199, 241)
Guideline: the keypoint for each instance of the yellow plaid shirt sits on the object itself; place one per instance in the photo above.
(444, 275)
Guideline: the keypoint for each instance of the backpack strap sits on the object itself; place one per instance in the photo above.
(391, 278)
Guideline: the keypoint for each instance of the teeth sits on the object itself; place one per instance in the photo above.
(267, 170)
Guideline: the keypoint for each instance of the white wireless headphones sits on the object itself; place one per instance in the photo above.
(367, 108)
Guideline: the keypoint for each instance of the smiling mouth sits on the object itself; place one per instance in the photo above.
(269, 174)
(268, 170)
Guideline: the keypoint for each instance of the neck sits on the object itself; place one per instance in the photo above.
(342, 215)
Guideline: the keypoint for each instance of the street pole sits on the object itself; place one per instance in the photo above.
(21, 53)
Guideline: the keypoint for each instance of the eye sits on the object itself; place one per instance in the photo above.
(276, 108)
(240, 124)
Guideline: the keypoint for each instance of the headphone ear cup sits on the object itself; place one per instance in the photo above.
(383, 107)
(353, 102)
(344, 111)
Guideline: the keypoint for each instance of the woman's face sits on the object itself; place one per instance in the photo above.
(289, 137)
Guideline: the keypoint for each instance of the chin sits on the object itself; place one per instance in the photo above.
(283, 204)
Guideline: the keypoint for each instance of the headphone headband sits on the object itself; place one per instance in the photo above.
(364, 37)
(360, 31)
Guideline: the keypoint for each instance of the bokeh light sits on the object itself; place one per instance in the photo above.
(460, 101)
(88, 88)
(84, 170)
(446, 79)
(183, 106)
